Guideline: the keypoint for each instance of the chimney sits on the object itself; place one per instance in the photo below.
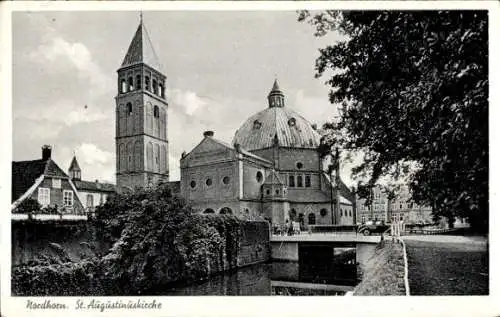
(208, 134)
(46, 152)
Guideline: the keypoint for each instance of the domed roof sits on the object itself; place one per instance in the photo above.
(276, 124)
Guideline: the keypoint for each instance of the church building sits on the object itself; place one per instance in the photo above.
(271, 170)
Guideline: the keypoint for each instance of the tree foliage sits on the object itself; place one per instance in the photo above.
(413, 90)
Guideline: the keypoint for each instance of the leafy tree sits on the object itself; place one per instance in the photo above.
(413, 92)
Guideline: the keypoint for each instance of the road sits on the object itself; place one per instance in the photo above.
(447, 265)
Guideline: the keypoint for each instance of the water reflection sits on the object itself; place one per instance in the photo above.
(320, 274)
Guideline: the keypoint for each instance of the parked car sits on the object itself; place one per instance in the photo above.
(371, 227)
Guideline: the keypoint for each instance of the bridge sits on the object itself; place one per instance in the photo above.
(288, 248)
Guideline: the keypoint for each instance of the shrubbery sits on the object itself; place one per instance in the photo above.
(157, 240)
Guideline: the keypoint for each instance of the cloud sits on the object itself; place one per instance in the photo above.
(189, 102)
(57, 50)
(90, 154)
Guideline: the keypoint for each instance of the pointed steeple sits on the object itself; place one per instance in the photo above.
(276, 97)
(141, 49)
(74, 170)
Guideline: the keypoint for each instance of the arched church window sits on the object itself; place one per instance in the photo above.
(312, 219)
(308, 180)
(299, 181)
(137, 155)
(138, 82)
(123, 86)
(192, 184)
(208, 211)
(259, 176)
(268, 192)
(147, 83)
(130, 84)
(291, 180)
(129, 108)
(161, 90)
(156, 112)
(277, 191)
(155, 87)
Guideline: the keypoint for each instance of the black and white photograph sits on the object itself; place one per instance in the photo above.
(306, 152)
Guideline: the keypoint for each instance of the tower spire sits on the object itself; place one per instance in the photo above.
(276, 97)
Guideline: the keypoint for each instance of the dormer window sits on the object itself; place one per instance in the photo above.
(257, 125)
(123, 86)
(292, 122)
(130, 84)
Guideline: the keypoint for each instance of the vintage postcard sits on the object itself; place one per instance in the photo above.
(248, 158)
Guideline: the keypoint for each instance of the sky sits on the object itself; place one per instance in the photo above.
(220, 66)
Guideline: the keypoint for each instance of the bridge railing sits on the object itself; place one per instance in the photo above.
(334, 229)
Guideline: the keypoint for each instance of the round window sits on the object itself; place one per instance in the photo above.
(299, 165)
(225, 180)
(193, 184)
(259, 176)
(209, 182)
(323, 212)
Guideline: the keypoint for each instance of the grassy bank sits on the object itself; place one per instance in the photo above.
(383, 274)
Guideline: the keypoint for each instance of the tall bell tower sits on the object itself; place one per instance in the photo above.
(141, 117)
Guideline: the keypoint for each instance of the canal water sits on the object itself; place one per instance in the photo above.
(318, 275)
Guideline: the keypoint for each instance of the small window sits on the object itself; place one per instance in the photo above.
(130, 84)
(68, 198)
(299, 165)
(123, 86)
(162, 90)
(192, 184)
(323, 212)
(308, 180)
(56, 183)
(147, 83)
(208, 182)
(138, 82)
(226, 180)
(259, 176)
(155, 87)
(257, 125)
(268, 192)
(208, 211)
(156, 112)
(90, 200)
(312, 219)
(291, 181)
(350, 213)
(277, 191)
(129, 108)
(43, 196)
(299, 181)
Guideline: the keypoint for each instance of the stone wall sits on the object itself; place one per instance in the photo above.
(254, 243)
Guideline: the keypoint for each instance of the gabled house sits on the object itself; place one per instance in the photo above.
(43, 180)
(93, 194)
